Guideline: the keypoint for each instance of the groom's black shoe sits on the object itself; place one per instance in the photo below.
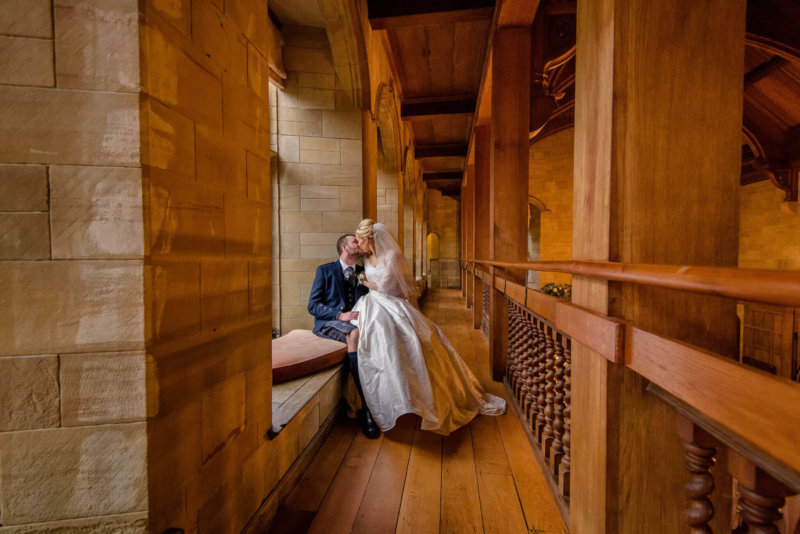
(368, 425)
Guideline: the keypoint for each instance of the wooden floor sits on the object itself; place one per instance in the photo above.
(482, 478)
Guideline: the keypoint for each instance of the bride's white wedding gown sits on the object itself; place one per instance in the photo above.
(407, 365)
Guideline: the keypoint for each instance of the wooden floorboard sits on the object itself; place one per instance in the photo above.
(481, 478)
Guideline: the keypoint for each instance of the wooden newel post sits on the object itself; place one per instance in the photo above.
(761, 497)
(700, 449)
(508, 221)
(480, 237)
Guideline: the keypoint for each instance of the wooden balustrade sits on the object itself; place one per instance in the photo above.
(721, 403)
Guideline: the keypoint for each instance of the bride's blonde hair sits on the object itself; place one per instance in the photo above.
(365, 229)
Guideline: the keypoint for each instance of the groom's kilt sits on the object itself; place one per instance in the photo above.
(336, 330)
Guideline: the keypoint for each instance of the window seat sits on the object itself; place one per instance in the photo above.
(308, 376)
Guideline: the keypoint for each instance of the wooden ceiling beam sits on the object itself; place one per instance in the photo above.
(445, 175)
(764, 70)
(393, 15)
(440, 151)
(432, 108)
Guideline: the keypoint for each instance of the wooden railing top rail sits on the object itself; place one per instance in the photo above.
(759, 285)
(757, 407)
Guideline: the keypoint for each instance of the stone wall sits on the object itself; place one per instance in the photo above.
(72, 338)
(550, 168)
(444, 220)
(388, 195)
(319, 176)
(208, 242)
(769, 229)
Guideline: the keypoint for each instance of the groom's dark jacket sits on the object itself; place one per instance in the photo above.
(327, 297)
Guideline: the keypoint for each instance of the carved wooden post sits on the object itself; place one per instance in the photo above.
(508, 207)
(532, 355)
(369, 162)
(700, 449)
(541, 366)
(480, 208)
(549, 379)
(563, 467)
(626, 198)
(557, 448)
(761, 496)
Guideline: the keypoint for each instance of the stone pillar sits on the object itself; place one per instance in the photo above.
(651, 186)
(508, 221)
(468, 200)
(73, 404)
(369, 166)
(480, 237)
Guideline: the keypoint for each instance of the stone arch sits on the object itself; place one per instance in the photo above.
(348, 48)
(385, 116)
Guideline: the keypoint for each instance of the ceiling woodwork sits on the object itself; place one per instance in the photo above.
(442, 150)
(434, 108)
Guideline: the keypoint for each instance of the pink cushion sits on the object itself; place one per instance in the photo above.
(300, 353)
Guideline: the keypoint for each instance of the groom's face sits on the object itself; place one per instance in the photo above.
(351, 246)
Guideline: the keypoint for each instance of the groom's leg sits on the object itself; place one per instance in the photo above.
(352, 361)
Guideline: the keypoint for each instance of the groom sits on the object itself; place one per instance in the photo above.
(333, 295)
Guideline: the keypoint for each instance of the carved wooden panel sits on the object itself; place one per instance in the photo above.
(769, 339)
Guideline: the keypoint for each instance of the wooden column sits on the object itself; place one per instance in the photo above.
(400, 212)
(508, 193)
(468, 198)
(652, 185)
(480, 238)
(369, 166)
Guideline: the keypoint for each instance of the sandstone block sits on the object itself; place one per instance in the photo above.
(186, 218)
(224, 309)
(287, 98)
(309, 419)
(329, 396)
(289, 148)
(23, 188)
(260, 278)
(301, 222)
(97, 44)
(24, 236)
(319, 238)
(300, 115)
(350, 198)
(257, 73)
(288, 325)
(103, 388)
(342, 124)
(320, 158)
(289, 265)
(341, 221)
(245, 118)
(93, 128)
(29, 18)
(223, 409)
(312, 174)
(295, 278)
(321, 252)
(312, 98)
(299, 128)
(216, 37)
(290, 245)
(314, 60)
(178, 14)
(174, 78)
(258, 179)
(103, 309)
(252, 20)
(319, 191)
(133, 523)
(176, 298)
(25, 61)
(319, 204)
(96, 212)
(247, 227)
(73, 472)
(220, 277)
(169, 141)
(305, 37)
(221, 164)
(28, 392)
(319, 143)
(351, 152)
(318, 81)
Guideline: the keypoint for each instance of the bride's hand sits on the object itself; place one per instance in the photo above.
(369, 285)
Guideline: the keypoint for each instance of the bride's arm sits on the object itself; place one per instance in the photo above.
(370, 285)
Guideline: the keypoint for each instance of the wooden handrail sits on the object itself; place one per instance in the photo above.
(758, 285)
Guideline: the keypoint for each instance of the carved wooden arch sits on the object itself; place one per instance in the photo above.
(385, 115)
(348, 48)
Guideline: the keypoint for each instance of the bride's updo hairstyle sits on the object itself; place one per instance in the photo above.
(365, 229)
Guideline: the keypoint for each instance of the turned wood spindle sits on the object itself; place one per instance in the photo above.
(700, 449)
(761, 497)
(557, 448)
(540, 381)
(546, 433)
(533, 366)
(563, 466)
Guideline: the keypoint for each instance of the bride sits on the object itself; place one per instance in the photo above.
(405, 363)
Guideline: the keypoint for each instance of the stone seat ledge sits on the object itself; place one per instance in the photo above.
(303, 364)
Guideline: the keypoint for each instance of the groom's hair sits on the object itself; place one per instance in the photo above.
(341, 242)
